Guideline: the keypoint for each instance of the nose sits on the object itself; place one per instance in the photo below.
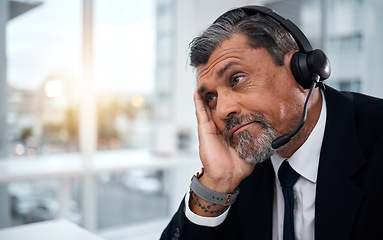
(227, 106)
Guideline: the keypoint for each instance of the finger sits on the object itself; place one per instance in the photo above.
(201, 110)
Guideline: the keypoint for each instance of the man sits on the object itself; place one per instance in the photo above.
(247, 95)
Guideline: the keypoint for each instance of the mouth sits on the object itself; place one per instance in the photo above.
(238, 128)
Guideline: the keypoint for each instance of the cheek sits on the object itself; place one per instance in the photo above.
(284, 112)
(290, 114)
(218, 123)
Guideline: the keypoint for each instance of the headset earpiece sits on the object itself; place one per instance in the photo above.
(318, 63)
(304, 65)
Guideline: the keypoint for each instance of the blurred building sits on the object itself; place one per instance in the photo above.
(353, 33)
(165, 77)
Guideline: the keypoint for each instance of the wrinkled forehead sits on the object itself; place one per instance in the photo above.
(228, 54)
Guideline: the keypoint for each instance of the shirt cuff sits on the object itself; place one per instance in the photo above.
(203, 221)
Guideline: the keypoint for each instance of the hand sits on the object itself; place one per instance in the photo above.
(224, 168)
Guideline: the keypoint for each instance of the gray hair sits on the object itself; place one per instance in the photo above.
(261, 30)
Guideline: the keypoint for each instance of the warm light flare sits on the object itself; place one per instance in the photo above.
(137, 100)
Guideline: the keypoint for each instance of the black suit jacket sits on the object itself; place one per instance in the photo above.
(349, 196)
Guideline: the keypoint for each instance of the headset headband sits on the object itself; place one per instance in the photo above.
(302, 41)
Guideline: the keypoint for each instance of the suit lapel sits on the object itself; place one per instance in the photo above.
(337, 197)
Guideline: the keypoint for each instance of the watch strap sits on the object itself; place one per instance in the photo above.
(212, 196)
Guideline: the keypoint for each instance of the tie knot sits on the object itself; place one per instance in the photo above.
(287, 176)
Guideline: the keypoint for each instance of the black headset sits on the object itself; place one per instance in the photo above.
(309, 67)
(306, 62)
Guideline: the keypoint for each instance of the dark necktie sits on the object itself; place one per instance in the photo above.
(288, 177)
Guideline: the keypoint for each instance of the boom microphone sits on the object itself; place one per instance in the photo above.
(282, 140)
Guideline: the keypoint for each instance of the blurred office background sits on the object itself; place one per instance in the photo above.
(97, 120)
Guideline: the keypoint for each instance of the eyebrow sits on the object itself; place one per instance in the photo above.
(201, 90)
(222, 71)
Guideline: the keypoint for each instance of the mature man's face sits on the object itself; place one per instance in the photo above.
(252, 100)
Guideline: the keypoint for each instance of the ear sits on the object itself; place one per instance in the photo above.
(288, 57)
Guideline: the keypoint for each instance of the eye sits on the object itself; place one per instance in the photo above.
(210, 99)
(235, 80)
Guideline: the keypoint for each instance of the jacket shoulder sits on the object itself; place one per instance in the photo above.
(368, 120)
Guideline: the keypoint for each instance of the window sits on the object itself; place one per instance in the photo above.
(44, 63)
(347, 44)
(353, 85)
(44, 94)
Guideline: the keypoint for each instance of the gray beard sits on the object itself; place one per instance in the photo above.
(253, 149)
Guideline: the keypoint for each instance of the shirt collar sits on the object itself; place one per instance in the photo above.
(305, 160)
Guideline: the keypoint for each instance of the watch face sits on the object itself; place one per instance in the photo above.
(199, 173)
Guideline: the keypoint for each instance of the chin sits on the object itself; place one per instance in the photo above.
(255, 150)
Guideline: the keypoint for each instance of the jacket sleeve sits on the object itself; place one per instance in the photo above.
(181, 228)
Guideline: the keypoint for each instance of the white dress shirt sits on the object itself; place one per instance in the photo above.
(304, 161)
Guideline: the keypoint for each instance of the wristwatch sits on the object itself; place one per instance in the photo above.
(210, 195)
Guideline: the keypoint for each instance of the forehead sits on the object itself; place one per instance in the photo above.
(230, 51)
